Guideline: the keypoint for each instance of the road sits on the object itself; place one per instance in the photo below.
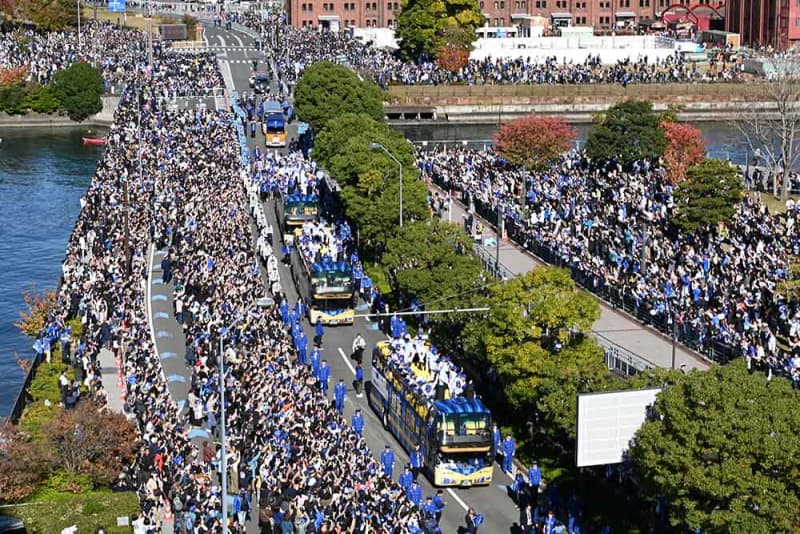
(235, 57)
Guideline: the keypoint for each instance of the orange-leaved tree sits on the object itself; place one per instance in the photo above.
(452, 57)
(685, 148)
(534, 141)
(24, 463)
(12, 76)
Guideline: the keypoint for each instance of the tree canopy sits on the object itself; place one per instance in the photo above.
(721, 448)
(427, 27)
(327, 91)
(629, 131)
(369, 179)
(709, 195)
(51, 15)
(684, 148)
(534, 141)
(533, 337)
(78, 89)
(433, 261)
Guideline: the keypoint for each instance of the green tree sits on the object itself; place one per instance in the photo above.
(628, 131)
(327, 91)
(369, 178)
(51, 15)
(78, 89)
(709, 195)
(433, 261)
(41, 100)
(426, 27)
(533, 337)
(722, 448)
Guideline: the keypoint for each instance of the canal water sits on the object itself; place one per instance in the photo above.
(721, 139)
(43, 174)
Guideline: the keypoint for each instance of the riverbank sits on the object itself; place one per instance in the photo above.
(31, 119)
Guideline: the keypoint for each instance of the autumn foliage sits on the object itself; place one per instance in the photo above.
(38, 306)
(12, 76)
(452, 57)
(534, 141)
(684, 149)
(24, 463)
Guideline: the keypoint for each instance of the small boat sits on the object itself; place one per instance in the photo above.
(94, 140)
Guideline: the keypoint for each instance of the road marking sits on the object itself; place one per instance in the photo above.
(347, 361)
(225, 68)
(238, 40)
(458, 499)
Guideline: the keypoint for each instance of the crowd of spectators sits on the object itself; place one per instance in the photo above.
(612, 227)
(106, 46)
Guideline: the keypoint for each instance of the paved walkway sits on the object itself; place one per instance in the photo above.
(614, 329)
(112, 381)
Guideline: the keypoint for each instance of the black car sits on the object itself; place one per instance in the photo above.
(261, 84)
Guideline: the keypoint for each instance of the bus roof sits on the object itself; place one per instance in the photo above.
(272, 107)
(460, 405)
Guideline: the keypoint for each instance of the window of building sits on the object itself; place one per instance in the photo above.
(644, 3)
(624, 3)
(390, 23)
(797, 22)
(502, 4)
(374, 6)
(496, 4)
(541, 4)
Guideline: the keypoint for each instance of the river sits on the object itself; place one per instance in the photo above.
(721, 140)
(43, 174)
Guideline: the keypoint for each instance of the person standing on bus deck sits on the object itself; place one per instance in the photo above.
(339, 391)
(387, 459)
(324, 376)
(359, 380)
(509, 448)
(416, 458)
(357, 421)
(320, 331)
(406, 478)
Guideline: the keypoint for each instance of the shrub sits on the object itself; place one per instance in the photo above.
(65, 482)
(12, 99)
(78, 90)
(41, 100)
(38, 305)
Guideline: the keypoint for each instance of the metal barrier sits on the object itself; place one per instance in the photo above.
(21, 401)
(244, 150)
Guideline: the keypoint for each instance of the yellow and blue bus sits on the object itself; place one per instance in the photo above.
(454, 432)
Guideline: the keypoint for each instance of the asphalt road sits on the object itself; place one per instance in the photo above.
(235, 52)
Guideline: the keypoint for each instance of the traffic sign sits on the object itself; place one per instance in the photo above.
(116, 6)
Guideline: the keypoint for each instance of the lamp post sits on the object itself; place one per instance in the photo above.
(378, 146)
(80, 38)
(261, 303)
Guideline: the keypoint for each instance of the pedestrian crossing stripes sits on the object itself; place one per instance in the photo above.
(236, 61)
(233, 48)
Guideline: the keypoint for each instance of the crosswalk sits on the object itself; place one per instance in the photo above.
(235, 61)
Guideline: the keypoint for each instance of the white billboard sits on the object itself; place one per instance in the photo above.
(607, 423)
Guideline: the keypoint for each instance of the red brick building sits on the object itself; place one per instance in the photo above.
(602, 14)
(773, 23)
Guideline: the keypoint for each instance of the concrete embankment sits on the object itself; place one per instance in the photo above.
(29, 120)
(572, 103)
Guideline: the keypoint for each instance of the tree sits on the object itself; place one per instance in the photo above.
(327, 91)
(8, 10)
(684, 149)
(709, 195)
(369, 178)
(24, 463)
(452, 57)
(629, 131)
(78, 89)
(13, 76)
(433, 261)
(424, 26)
(721, 447)
(92, 442)
(51, 15)
(533, 337)
(534, 141)
(774, 135)
(38, 306)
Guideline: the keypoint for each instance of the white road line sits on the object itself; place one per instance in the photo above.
(225, 68)
(347, 361)
(458, 499)
(238, 40)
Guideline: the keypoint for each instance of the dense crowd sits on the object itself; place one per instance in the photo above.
(106, 46)
(612, 227)
(297, 49)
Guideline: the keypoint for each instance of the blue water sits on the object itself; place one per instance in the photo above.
(43, 174)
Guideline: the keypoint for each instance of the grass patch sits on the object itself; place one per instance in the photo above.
(775, 205)
(135, 21)
(90, 511)
(378, 276)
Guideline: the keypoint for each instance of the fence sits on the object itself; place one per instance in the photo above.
(22, 396)
(618, 359)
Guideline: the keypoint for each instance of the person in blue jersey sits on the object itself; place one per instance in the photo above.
(359, 382)
(339, 392)
(357, 422)
(301, 342)
(319, 331)
(439, 504)
(387, 461)
(316, 362)
(509, 447)
(534, 481)
(414, 493)
(496, 438)
(324, 376)
(406, 478)
(417, 459)
(550, 523)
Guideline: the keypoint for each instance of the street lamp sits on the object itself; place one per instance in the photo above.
(80, 39)
(261, 303)
(378, 146)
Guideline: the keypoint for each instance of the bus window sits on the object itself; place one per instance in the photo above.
(467, 424)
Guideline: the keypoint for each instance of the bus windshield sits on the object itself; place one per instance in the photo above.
(467, 424)
(333, 306)
(301, 207)
(328, 276)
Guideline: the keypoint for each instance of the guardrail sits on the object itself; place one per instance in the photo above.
(244, 150)
(21, 401)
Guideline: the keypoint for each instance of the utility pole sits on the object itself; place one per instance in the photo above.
(80, 37)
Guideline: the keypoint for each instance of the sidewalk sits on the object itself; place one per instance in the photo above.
(113, 383)
(615, 331)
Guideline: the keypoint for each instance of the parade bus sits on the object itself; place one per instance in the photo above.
(295, 209)
(326, 285)
(454, 433)
(274, 127)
